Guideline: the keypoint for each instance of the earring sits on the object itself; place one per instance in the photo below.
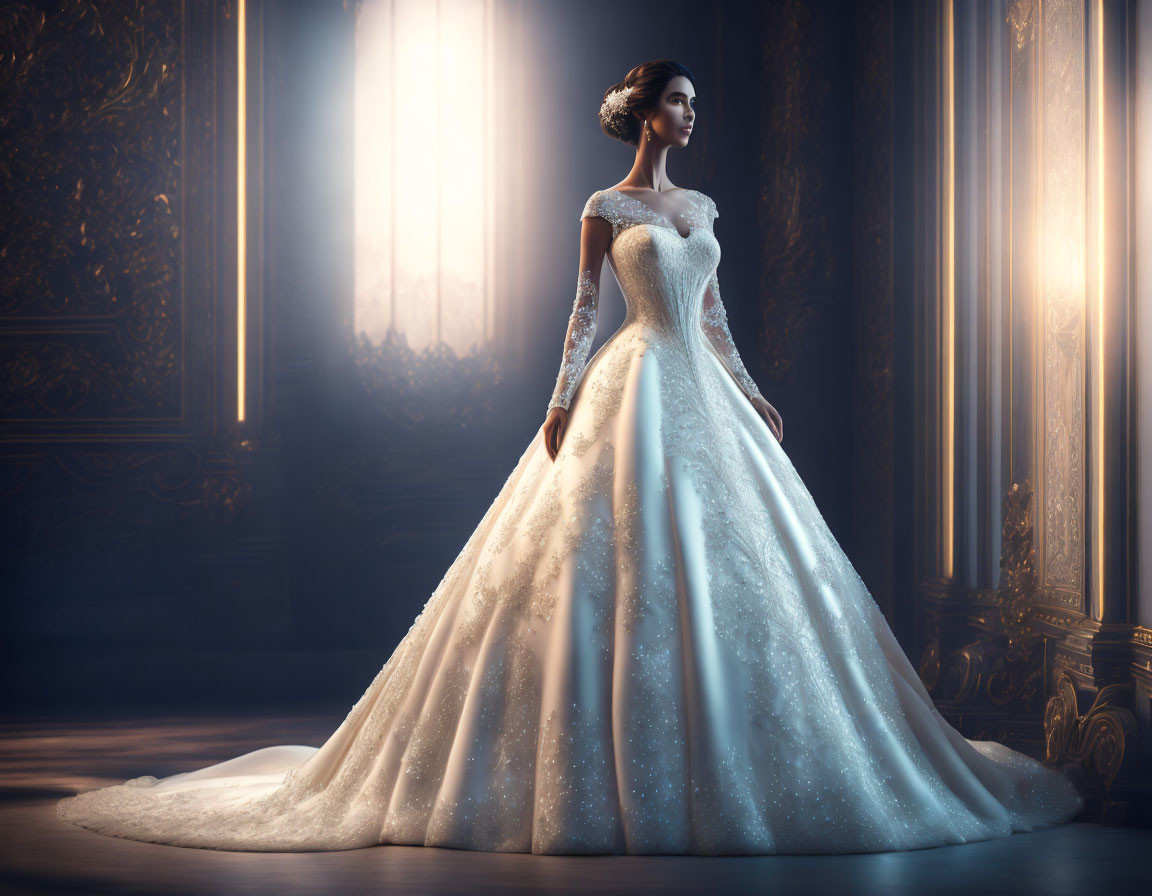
(647, 130)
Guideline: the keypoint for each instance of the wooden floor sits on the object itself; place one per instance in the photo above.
(41, 761)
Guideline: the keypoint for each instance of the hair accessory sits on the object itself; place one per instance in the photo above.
(615, 106)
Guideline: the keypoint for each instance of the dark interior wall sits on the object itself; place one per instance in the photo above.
(174, 559)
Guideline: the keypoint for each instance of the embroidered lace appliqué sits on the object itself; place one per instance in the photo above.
(578, 341)
(714, 322)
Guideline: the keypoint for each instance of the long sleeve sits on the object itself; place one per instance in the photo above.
(578, 341)
(714, 323)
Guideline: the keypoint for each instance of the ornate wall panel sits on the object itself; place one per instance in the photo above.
(1062, 273)
(112, 326)
(92, 316)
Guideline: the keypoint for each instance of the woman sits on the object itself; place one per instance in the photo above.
(651, 643)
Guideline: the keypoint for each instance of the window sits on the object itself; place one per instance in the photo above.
(424, 173)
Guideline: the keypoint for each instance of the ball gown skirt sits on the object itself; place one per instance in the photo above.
(653, 645)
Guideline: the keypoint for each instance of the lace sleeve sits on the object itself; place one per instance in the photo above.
(714, 323)
(577, 342)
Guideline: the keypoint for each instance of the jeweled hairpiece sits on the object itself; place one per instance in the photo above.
(615, 105)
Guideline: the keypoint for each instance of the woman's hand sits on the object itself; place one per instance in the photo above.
(771, 416)
(554, 430)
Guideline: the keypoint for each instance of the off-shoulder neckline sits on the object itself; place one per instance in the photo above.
(668, 221)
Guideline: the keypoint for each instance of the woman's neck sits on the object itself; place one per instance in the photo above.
(648, 171)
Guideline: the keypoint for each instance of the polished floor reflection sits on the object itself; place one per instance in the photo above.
(43, 760)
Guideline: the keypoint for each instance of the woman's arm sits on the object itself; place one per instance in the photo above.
(714, 323)
(595, 234)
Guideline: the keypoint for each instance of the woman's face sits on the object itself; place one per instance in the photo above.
(675, 113)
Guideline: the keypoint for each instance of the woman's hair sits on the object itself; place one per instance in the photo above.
(647, 81)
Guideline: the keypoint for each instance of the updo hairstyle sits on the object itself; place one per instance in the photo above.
(647, 81)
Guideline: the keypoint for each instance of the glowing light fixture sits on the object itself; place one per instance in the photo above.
(241, 207)
(1098, 415)
(948, 311)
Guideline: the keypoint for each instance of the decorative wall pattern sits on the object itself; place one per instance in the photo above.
(113, 346)
(1063, 295)
(91, 312)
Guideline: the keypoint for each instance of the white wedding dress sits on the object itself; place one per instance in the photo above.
(653, 644)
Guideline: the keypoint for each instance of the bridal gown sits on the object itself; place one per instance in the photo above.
(653, 644)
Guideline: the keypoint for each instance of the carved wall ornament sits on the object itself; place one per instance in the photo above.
(1062, 223)
(1102, 740)
(1018, 578)
(929, 668)
(1021, 19)
(1004, 664)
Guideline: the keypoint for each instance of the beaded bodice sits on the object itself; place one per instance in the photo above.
(662, 272)
(668, 278)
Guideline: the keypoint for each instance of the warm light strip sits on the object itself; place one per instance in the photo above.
(948, 335)
(241, 207)
(489, 329)
(1098, 417)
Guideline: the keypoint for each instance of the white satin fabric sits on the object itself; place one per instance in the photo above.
(652, 645)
